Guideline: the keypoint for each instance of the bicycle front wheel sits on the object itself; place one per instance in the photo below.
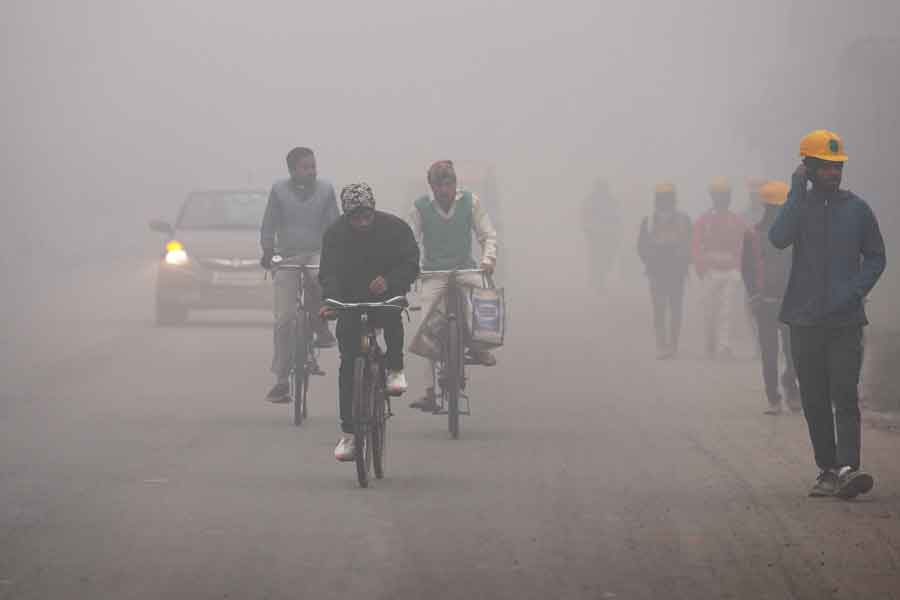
(297, 384)
(454, 366)
(362, 419)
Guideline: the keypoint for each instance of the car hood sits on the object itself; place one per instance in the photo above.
(221, 244)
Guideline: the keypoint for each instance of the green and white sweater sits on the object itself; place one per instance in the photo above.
(446, 237)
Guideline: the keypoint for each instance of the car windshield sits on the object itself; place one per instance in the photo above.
(223, 210)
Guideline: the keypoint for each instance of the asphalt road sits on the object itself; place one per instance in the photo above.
(141, 462)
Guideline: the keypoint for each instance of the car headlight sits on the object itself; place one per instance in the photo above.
(175, 254)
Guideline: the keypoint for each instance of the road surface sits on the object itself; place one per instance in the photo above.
(139, 462)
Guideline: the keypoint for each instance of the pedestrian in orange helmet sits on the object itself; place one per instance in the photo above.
(765, 270)
(718, 237)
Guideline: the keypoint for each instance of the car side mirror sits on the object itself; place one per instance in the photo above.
(160, 226)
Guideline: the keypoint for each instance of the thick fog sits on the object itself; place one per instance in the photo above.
(113, 111)
(143, 461)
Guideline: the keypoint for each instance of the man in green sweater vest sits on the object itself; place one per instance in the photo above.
(443, 223)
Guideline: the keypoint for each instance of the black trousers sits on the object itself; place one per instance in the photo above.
(349, 335)
(667, 295)
(770, 329)
(828, 362)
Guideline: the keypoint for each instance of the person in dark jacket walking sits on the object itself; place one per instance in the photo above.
(367, 256)
(664, 245)
(838, 257)
(765, 271)
(601, 222)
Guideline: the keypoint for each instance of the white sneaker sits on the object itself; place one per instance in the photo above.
(396, 383)
(345, 451)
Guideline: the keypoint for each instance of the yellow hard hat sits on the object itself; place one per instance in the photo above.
(665, 188)
(720, 185)
(824, 145)
(774, 192)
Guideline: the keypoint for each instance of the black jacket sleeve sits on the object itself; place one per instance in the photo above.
(786, 228)
(405, 268)
(328, 265)
(874, 260)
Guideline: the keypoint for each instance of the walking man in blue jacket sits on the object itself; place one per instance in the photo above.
(837, 257)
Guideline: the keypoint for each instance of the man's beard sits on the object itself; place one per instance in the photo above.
(303, 181)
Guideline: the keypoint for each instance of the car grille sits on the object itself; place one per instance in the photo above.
(220, 264)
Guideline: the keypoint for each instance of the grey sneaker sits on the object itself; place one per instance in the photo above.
(427, 403)
(853, 482)
(279, 394)
(825, 485)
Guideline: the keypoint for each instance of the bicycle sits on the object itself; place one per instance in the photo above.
(371, 403)
(449, 373)
(304, 360)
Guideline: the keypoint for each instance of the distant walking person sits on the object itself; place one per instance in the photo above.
(664, 245)
(601, 221)
(766, 270)
(838, 257)
(718, 237)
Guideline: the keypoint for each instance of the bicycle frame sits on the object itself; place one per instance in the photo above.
(449, 375)
(304, 360)
(371, 404)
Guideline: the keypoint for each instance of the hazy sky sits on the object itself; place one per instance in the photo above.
(119, 107)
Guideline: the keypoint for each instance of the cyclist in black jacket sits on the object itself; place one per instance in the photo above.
(367, 256)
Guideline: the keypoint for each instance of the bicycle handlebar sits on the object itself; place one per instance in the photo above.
(280, 262)
(397, 302)
(452, 272)
(275, 267)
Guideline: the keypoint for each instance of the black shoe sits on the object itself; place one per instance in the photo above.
(853, 482)
(279, 394)
(427, 403)
(325, 340)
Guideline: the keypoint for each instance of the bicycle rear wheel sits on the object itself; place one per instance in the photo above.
(379, 425)
(295, 382)
(453, 377)
(299, 378)
(362, 418)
